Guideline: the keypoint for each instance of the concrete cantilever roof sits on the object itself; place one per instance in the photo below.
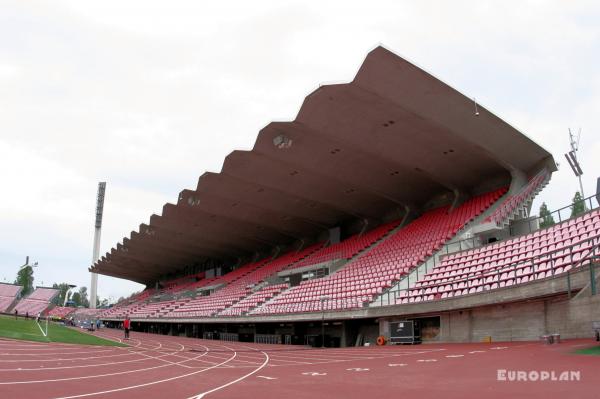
(391, 139)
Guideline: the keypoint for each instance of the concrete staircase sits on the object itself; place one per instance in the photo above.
(409, 280)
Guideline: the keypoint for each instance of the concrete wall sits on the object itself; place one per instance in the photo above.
(520, 321)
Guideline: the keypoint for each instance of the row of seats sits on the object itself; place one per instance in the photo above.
(253, 300)
(360, 280)
(231, 294)
(43, 294)
(347, 248)
(8, 294)
(37, 302)
(236, 285)
(541, 254)
(510, 205)
(61, 311)
(240, 286)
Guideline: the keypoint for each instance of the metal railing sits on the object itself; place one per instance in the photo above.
(316, 305)
(267, 339)
(543, 262)
(531, 224)
(221, 336)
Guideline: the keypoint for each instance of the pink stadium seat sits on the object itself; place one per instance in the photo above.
(37, 302)
(8, 294)
(380, 267)
(541, 254)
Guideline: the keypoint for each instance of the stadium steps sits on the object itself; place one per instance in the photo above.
(411, 278)
(364, 251)
(514, 261)
(223, 312)
(267, 302)
(586, 291)
(521, 210)
(268, 279)
(12, 305)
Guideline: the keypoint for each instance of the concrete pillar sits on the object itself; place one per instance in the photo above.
(384, 328)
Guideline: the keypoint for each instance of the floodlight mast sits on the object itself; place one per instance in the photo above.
(572, 158)
(97, 231)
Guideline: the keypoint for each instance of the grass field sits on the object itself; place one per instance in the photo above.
(29, 330)
(595, 350)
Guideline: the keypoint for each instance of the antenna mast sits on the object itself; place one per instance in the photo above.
(572, 158)
(97, 230)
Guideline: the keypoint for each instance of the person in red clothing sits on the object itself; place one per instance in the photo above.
(126, 326)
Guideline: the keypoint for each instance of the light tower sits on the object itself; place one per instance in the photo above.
(572, 158)
(97, 230)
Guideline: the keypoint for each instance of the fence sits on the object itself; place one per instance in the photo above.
(221, 336)
(267, 339)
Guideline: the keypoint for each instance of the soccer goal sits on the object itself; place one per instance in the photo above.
(42, 323)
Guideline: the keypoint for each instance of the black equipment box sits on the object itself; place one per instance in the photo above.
(405, 332)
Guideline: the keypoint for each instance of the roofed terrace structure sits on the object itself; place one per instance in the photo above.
(382, 146)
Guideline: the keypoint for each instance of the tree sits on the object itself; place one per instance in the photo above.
(578, 206)
(85, 302)
(25, 279)
(546, 217)
(76, 298)
(62, 291)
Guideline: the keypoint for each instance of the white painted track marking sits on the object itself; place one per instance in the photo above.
(148, 383)
(159, 347)
(89, 365)
(201, 395)
(94, 376)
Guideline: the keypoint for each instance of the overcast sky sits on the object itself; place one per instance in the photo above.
(149, 95)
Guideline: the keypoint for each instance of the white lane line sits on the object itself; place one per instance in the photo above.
(426, 360)
(88, 365)
(455, 356)
(201, 395)
(170, 362)
(288, 361)
(54, 353)
(85, 377)
(266, 378)
(148, 383)
(36, 350)
(129, 352)
(397, 364)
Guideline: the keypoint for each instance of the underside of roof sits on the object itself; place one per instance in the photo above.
(390, 140)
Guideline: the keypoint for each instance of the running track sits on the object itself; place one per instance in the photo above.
(157, 366)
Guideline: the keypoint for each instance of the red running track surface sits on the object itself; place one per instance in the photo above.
(157, 366)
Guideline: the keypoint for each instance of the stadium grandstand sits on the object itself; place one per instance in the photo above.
(60, 312)
(390, 198)
(8, 296)
(36, 302)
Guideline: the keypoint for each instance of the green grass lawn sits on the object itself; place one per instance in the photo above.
(595, 350)
(28, 330)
